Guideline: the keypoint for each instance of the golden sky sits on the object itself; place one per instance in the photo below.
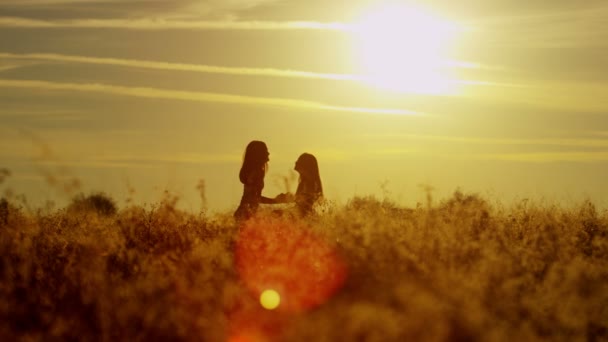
(505, 98)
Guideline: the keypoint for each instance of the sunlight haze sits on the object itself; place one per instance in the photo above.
(401, 49)
(135, 98)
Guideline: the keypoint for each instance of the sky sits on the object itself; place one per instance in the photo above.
(137, 97)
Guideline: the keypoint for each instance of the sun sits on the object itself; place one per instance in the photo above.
(401, 48)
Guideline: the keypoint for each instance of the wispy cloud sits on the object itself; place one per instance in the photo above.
(181, 66)
(168, 24)
(139, 161)
(579, 97)
(6, 67)
(597, 154)
(14, 63)
(181, 158)
(583, 26)
(397, 153)
(45, 118)
(137, 8)
(54, 2)
(545, 157)
(243, 71)
(24, 149)
(571, 142)
(524, 157)
(197, 96)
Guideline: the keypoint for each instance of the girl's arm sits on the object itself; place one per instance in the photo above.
(267, 200)
(280, 198)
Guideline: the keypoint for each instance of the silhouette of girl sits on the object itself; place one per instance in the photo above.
(253, 170)
(309, 189)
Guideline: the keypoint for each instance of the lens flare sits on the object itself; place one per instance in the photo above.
(285, 270)
(287, 257)
(270, 299)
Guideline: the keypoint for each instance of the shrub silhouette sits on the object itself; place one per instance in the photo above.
(465, 269)
(99, 203)
(3, 211)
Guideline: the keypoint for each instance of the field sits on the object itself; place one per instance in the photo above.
(459, 269)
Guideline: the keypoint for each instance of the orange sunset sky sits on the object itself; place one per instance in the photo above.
(508, 98)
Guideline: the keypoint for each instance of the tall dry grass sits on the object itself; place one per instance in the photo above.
(461, 270)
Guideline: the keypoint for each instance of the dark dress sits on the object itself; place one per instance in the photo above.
(252, 196)
(307, 195)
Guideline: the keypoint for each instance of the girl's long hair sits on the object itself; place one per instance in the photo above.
(310, 169)
(255, 161)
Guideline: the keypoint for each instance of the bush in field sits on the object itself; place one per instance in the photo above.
(462, 270)
(9, 212)
(99, 203)
(3, 211)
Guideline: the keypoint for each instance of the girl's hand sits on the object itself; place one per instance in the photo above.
(284, 198)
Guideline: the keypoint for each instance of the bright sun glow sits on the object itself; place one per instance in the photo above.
(270, 299)
(402, 49)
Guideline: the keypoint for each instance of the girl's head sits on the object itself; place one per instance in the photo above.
(308, 168)
(255, 160)
(307, 165)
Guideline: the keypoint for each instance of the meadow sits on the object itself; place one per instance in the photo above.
(463, 268)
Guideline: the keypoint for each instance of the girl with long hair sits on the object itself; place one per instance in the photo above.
(253, 170)
(310, 189)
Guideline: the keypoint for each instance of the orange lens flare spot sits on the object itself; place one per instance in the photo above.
(270, 299)
(275, 256)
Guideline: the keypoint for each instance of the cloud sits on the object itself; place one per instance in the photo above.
(156, 93)
(43, 118)
(55, 2)
(6, 67)
(139, 161)
(181, 66)
(14, 63)
(167, 24)
(584, 26)
(135, 8)
(545, 157)
(574, 96)
(181, 158)
(268, 72)
(598, 155)
(526, 157)
(398, 153)
(571, 142)
(20, 150)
